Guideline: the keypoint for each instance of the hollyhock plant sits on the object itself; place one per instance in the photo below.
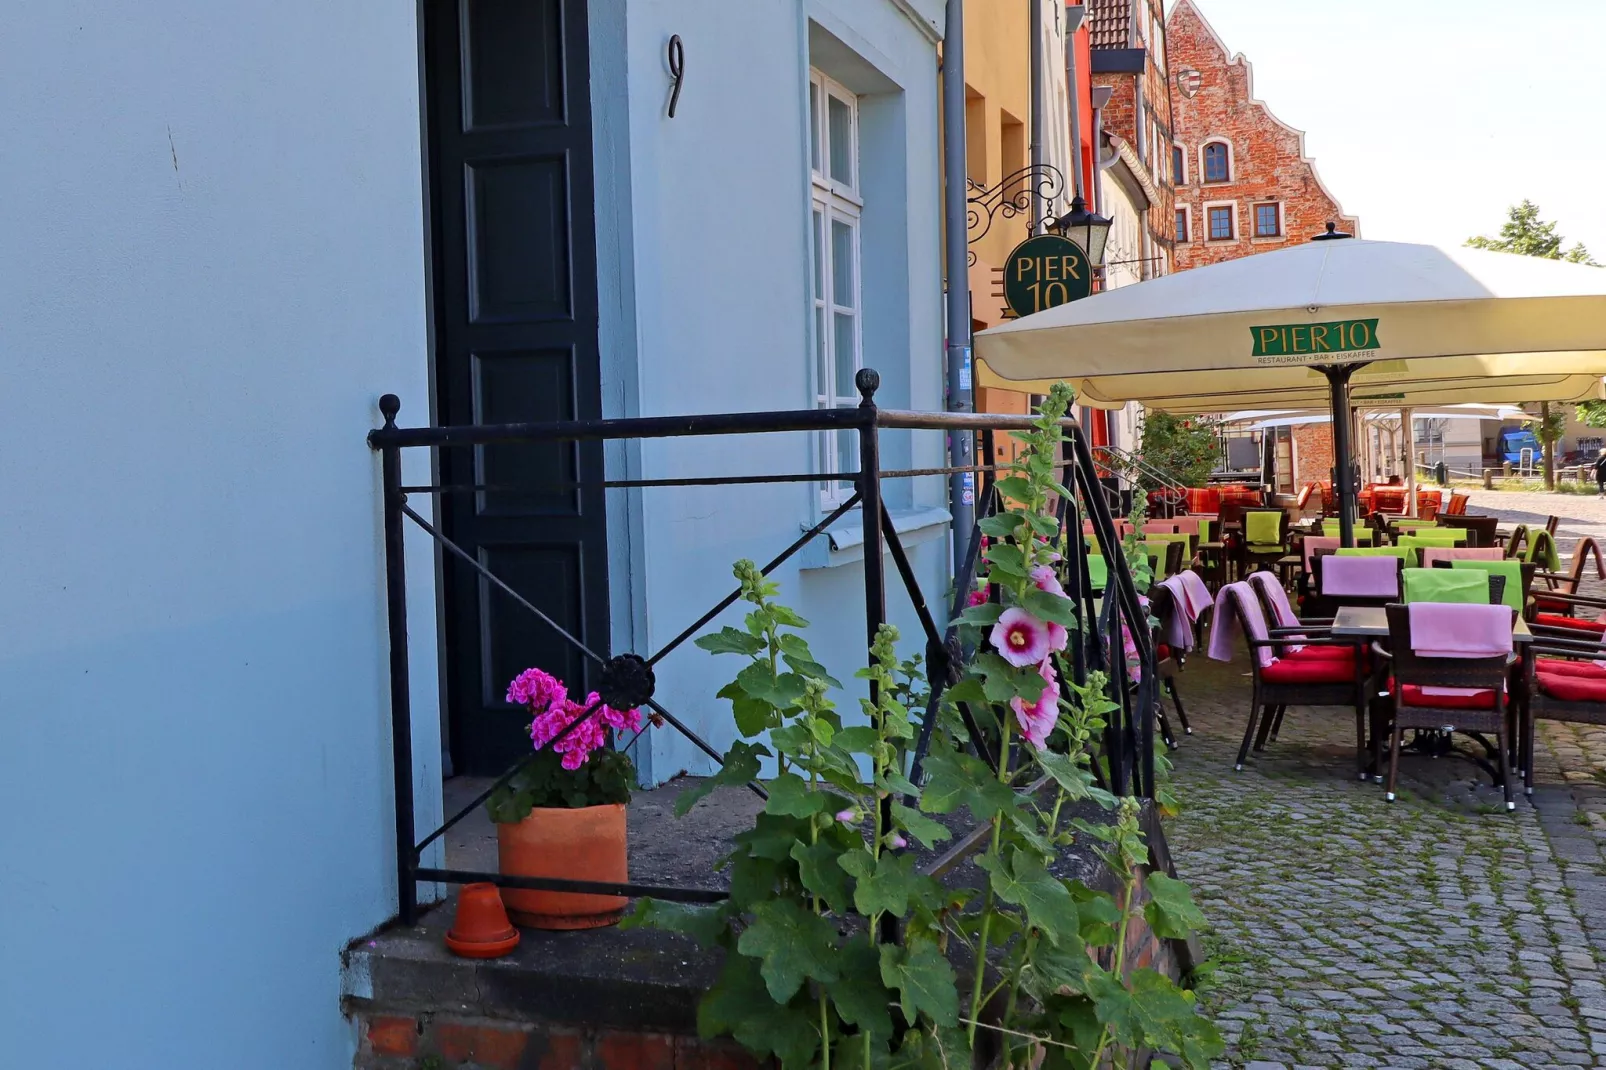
(1020, 638)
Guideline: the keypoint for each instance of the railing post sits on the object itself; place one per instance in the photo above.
(875, 582)
(401, 720)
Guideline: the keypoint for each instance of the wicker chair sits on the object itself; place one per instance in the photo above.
(1168, 659)
(1562, 682)
(1323, 672)
(1484, 709)
(1567, 583)
(1480, 529)
(1252, 556)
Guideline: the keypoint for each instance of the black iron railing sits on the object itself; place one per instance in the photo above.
(1126, 754)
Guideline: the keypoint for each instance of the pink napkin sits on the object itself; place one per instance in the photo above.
(1461, 553)
(1199, 598)
(1319, 542)
(1361, 577)
(1448, 630)
(1237, 607)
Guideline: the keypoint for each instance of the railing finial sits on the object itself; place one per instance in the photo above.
(868, 380)
(389, 406)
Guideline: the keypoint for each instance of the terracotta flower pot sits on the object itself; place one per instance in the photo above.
(587, 844)
(481, 929)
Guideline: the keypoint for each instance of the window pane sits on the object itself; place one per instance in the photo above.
(843, 289)
(1220, 223)
(847, 453)
(1176, 164)
(819, 254)
(843, 339)
(814, 126)
(1266, 220)
(1216, 162)
(841, 126)
(822, 356)
(1182, 225)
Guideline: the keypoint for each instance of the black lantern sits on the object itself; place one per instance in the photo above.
(1088, 229)
(1333, 234)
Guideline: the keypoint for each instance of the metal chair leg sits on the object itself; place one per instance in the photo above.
(1265, 728)
(1504, 739)
(1249, 733)
(1165, 726)
(1394, 760)
(1176, 698)
(1277, 724)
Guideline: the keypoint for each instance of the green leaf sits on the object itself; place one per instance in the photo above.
(1170, 910)
(739, 1005)
(1015, 488)
(772, 836)
(886, 885)
(983, 616)
(821, 874)
(1075, 778)
(1008, 559)
(740, 766)
(786, 616)
(858, 740)
(790, 797)
(1022, 879)
(705, 923)
(1000, 526)
(1055, 970)
(1002, 681)
(782, 690)
(730, 641)
(896, 783)
(928, 831)
(1046, 605)
(859, 995)
(792, 945)
(1098, 915)
(753, 717)
(924, 980)
(954, 780)
(967, 690)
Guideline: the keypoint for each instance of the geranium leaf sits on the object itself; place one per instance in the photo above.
(924, 980)
(791, 944)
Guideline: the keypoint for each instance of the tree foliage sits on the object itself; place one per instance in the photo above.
(1528, 235)
(1184, 448)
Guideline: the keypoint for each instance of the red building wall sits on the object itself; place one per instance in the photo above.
(1267, 157)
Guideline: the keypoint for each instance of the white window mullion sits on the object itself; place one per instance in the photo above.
(837, 306)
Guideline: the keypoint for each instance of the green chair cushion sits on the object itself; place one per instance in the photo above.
(1098, 571)
(1446, 585)
(1401, 552)
(1511, 570)
(1263, 528)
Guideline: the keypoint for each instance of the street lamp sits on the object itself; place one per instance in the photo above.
(1088, 229)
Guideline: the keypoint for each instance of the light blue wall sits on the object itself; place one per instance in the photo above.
(704, 240)
(212, 266)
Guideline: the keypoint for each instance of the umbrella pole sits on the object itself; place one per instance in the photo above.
(1338, 377)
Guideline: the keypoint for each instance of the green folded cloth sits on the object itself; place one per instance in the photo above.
(1329, 526)
(1261, 528)
(1401, 552)
(1098, 571)
(1511, 570)
(1424, 540)
(1542, 551)
(1446, 585)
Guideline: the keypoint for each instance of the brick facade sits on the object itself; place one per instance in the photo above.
(1267, 160)
(1313, 453)
(1139, 112)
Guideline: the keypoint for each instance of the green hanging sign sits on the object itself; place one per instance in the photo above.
(1301, 343)
(1045, 271)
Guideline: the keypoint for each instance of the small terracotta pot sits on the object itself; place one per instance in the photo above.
(481, 929)
(587, 844)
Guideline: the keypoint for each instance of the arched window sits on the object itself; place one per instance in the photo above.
(1216, 168)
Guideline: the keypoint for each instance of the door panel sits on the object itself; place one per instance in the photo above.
(511, 191)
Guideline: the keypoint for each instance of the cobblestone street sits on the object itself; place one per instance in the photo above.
(1437, 931)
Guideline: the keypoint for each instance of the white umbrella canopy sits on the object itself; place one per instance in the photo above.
(1405, 324)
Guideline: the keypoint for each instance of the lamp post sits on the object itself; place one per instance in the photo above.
(1088, 229)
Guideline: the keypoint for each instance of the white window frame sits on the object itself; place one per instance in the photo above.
(1254, 221)
(1180, 151)
(1208, 233)
(1232, 164)
(832, 201)
(1187, 222)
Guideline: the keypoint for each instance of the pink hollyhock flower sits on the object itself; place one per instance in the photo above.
(847, 817)
(1020, 638)
(977, 597)
(1038, 720)
(1058, 637)
(897, 842)
(539, 691)
(1044, 579)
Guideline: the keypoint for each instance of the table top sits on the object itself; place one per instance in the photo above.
(1373, 622)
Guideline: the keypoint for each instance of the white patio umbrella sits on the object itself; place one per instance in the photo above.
(1401, 324)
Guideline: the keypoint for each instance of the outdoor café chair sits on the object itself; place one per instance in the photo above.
(1568, 583)
(1564, 680)
(1170, 626)
(1457, 505)
(1516, 578)
(1456, 684)
(1285, 670)
(1265, 538)
(1165, 555)
(1515, 540)
(1570, 623)
(1481, 530)
(1354, 580)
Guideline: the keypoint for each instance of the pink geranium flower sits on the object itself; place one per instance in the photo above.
(1037, 721)
(537, 690)
(554, 711)
(977, 597)
(1020, 638)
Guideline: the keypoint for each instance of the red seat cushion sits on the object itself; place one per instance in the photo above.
(1297, 670)
(1162, 652)
(1411, 695)
(1572, 688)
(1556, 620)
(1563, 667)
(1551, 605)
(1326, 653)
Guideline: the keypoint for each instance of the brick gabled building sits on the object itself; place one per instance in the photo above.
(1129, 61)
(1243, 182)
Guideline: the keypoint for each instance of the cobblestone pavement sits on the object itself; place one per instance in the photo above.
(1437, 931)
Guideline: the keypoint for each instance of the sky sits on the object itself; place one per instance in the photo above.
(1429, 118)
